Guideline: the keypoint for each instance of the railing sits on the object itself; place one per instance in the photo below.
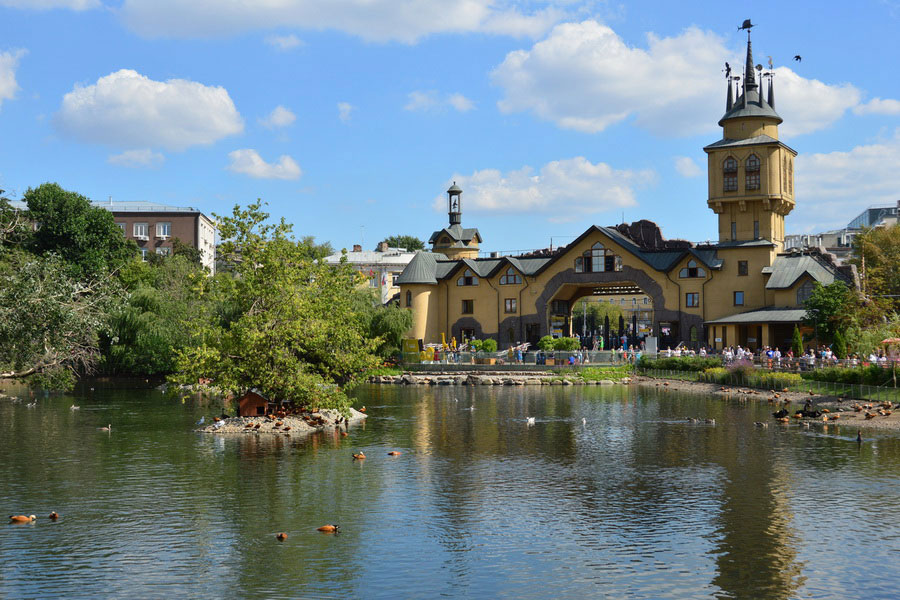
(531, 358)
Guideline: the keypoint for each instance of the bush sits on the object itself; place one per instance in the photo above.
(840, 345)
(566, 344)
(546, 343)
(476, 345)
(681, 363)
(871, 375)
(489, 345)
(600, 373)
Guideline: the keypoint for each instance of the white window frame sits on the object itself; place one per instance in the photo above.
(141, 231)
(143, 254)
(164, 230)
(164, 251)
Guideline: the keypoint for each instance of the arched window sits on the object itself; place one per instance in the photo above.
(408, 299)
(510, 277)
(804, 292)
(467, 278)
(597, 260)
(692, 270)
(751, 172)
(729, 171)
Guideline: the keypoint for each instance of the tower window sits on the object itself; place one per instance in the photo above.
(751, 172)
(467, 278)
(743, 269)
(733, 231)
(729, 171)
(692, 299)
(408, 299)
(509, 305)
(755, 230)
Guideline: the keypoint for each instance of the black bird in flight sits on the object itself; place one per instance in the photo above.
(746, 25)
(798, 58)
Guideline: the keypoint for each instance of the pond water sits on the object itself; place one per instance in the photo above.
(610, 493)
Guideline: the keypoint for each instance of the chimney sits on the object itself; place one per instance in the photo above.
(382, 246)
(357, 248)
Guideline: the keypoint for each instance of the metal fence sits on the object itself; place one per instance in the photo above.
(779, 382)
(531, 358)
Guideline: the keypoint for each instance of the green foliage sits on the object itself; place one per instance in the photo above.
(865, 339)
(566, 344)
(410, 242)
(869, 375)
(828, 309)
(601, 373)
(288, 327)
(679, 363)
(383, 371)
(489, 345)
(14, 228)
(387, 323)
(49, 320)
(876, 254)
(476, 345)
(546, 343)
(596, 313)
(164, 300)
(84, 236)
(840, 345)
(308, 248)
(797, 342)
(188, 252)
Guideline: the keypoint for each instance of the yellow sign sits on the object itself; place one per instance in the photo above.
(410, 345)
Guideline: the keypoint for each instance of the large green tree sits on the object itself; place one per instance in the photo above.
(829, 309)
(84, 236)
(287, 326)
(410, 242)
(13, 224)
(387, 323)
(50, 321)
(876, 254)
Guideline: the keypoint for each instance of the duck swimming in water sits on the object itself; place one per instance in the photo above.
(22, 519)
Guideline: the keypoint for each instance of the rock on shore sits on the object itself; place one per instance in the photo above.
(290, 425)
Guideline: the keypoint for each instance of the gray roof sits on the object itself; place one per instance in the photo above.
(421, 269)
(756, 107)
(745, 243)
(457, 233)
(127, 206)
(765, 315)
(786, 269)
(753, 141)
(393, 257)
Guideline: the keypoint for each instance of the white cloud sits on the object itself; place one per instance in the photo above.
(571, 187)
(49, 4)
(249, 162)
(460, 102)
(279, 117)
(136, 159)
(376, 20)
(877, 106)
(284, 42)
(126, 109)
(584, 77)
(686, 166)
(430, 100)
(9, 62)
(808, 105)
(345, 110)
(834, 187)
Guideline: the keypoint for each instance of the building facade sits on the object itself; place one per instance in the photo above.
(744, 289)
(381, 268)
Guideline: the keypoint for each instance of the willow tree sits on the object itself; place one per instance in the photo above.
(287, 326)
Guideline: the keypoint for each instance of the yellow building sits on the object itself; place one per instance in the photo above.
(744, 289)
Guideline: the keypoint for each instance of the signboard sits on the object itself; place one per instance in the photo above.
(718, 340)
(751, 340)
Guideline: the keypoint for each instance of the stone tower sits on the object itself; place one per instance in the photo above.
(751, 172)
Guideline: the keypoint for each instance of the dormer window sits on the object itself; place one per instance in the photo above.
(804, 292)
(510, 277)
(729, 172)
(692, 270)
(751, 172)
(467, 278)
(597, 260)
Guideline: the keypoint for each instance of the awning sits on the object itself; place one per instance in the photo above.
(765, 315)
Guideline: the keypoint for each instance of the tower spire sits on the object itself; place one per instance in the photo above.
(749, 77)
(771, 92)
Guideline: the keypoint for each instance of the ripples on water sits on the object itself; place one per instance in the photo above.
(635, 503)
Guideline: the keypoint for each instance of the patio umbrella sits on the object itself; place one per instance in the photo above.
(891, 341)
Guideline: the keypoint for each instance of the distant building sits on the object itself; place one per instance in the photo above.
(380, 267)
(153, 227)
(839, 242)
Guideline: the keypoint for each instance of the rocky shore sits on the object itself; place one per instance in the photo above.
(488, 378)
(292, 425)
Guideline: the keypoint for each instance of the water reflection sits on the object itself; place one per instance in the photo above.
(611, 492)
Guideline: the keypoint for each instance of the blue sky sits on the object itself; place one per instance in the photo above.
(351, 117)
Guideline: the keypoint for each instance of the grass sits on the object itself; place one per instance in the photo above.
(601, 373)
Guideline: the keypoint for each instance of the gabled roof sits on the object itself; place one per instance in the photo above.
(457, 233)
(764, 315)
(786, 269)
(421, 269)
